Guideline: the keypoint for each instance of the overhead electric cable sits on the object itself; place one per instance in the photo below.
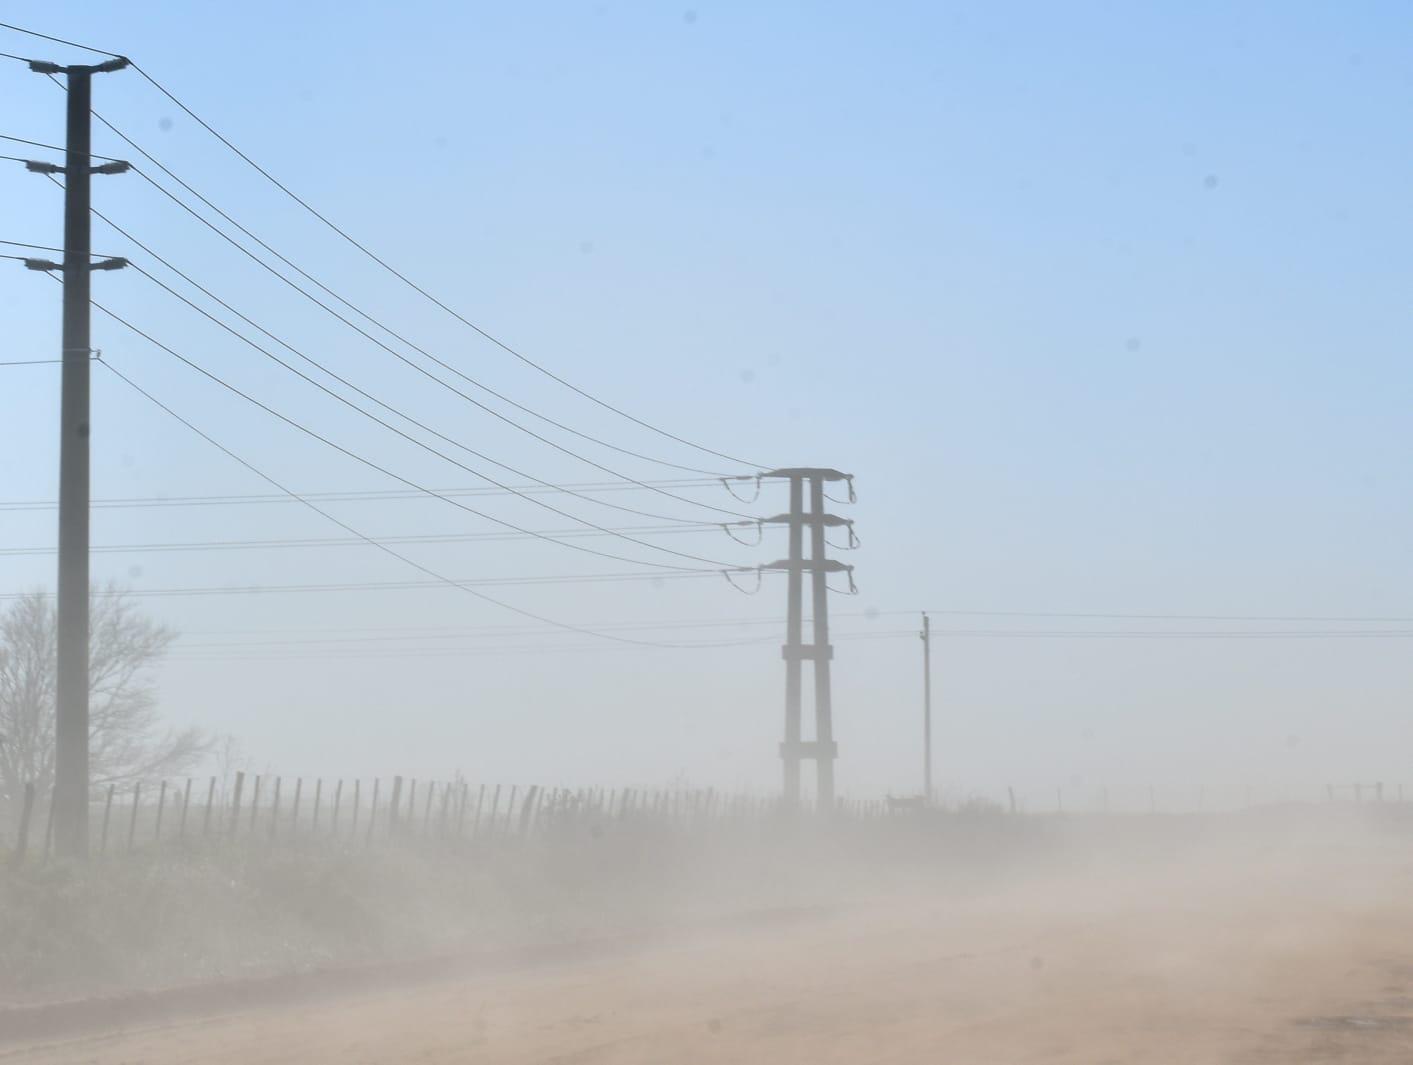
(433, 299)
(323, 542)
(367, 395)
(428, 571)
(295, 424)
(353, 496)
(355, 308)
(390, 350)
(412, 439)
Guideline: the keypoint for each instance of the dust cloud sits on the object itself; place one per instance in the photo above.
(1260, 935)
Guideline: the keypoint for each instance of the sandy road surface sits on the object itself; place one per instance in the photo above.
(1267, 966)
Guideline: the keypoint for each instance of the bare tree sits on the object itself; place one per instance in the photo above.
(127, 741)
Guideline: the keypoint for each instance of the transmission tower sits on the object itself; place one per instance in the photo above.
(794, 749)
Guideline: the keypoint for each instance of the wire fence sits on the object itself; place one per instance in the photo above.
(366, 812)
(267, 809)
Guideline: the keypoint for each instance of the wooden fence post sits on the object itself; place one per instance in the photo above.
(394, 805)
(495, 810)
(49, 826)
(357, 804)
(186, 805)
(161, 805)
(480, 808)
(427, 808)
(275, 807)
(26, 812)
(334, 817)
(373, 810)
(461, 810)
(527, 808)
(132, 821)
(254, 802)
(235, 805)
(318, 795)
(107, 810)
(294, 808)
(510, 808)
(210, 805)
(410, 821)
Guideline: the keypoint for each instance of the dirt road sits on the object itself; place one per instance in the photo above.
(1270, 965)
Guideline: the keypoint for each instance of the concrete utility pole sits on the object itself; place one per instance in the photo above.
(926, 709)
(71, 692)
(822, 748)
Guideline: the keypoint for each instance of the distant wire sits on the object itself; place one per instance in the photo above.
(387, 550)
(220, 655)
(1180, 634)
(278, 637)
(322, 542)
(1309, 618)
(367, 395)
(362, 313)
(374, 340)
(400, 276)
(426, 428)
(52, 148)
(45, 247)
(427, 295)
(356, 496)
(202, 591)
(31, 362)
(293, 423)
(58, 40)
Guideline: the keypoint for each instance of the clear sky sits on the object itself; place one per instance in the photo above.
(1104, 305)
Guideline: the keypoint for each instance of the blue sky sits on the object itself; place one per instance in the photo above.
(1103, 305)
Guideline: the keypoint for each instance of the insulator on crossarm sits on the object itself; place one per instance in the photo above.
(726, 482)
(729, 580)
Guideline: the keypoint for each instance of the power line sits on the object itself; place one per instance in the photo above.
(426, 447)
(386, 406)
(378, 343)
(205, 591)
(46, 247)
(434, 300)
(362, 313)
(57, 40)
(49, 147)
(375, 466)
(523, 358)
(428, 571)
(346, 497)
(322, 542)
(1309, 618)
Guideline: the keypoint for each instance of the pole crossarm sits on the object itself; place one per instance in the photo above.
(831, 521)
(809, 565)
(810, 472)
(108, 66)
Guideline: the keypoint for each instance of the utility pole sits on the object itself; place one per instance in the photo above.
(71, 691)
(823, 749)
(926, 709)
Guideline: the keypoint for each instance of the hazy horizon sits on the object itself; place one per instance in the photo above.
(1129, 343)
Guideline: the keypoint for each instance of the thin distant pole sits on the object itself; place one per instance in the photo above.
(927, 708)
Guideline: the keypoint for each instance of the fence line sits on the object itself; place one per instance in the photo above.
(255, 808)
